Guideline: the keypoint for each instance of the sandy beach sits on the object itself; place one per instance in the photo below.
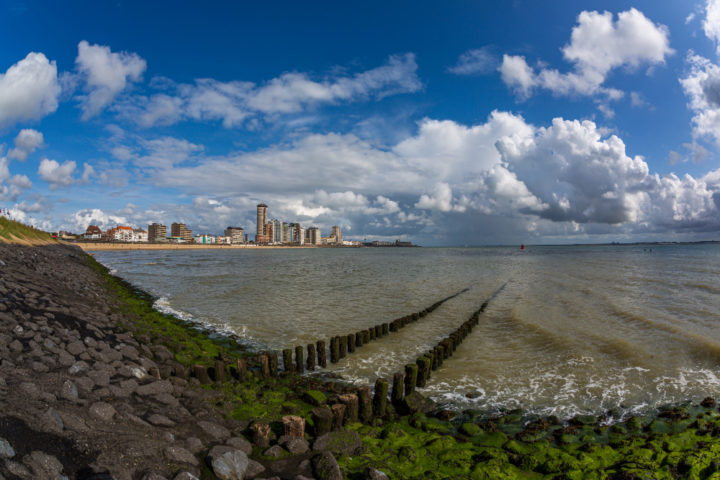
(90, 246)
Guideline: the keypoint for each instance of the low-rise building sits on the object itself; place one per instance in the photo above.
(93, 232)
(223, 240)
(140, 235)
(205, 239)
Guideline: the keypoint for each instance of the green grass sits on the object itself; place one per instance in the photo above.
(11, 230)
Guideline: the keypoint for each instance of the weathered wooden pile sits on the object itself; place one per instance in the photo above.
(365, 403)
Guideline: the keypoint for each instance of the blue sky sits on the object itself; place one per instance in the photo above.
(445, 123)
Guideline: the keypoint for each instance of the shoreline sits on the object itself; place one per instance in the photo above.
(89, 246)
(61, 379)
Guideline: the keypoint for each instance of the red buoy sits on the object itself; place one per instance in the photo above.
(522, 246)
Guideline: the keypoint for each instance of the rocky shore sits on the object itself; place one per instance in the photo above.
(95, 384)
(82, 397)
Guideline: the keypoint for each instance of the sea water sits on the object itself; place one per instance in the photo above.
(577, 329)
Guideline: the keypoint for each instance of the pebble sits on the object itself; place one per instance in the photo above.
(276, 451)
(185, 476)
(102, 411)
(6, 450)
(78, 368)
(240, 443)
(230, 465)
(69, 391)
(216, 431)
(160, 420)
(180, 455)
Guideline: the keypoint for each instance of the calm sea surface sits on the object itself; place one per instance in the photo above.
(576, 329)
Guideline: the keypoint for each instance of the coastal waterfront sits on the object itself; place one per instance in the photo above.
(577, 329)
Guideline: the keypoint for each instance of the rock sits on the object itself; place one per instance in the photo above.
(341, 442)
(230, 465)
(254, 469)
(73, 422)
(102, 411)
(294, 445)
(6, 450)
(185, 476)
(130, 353)
(78, 367)
(155, 388)
(294, 426)
(43, 465)
(162, 353)
(326, 467)
(315, 397)
(69, 391)
(153, 476)
(16, 346)
(373, 474)
(17, 469)
(415, 402)
(135, 419)
(180, 455)
(75, 348)
(216, 431)
(160, 420)
(276, 451)
(54, 422)
(167, 399)
(84, 385)
(240, 443)
(65, 359)
(100, 377)
(194, 444)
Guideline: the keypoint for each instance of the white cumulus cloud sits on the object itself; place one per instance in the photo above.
(29, 90)
(711, 24)
(105, 74)
(26, 142)
(55, 174)
(598, 45)
(702, 86)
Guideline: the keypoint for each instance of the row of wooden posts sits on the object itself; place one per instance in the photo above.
(365, 404)
(342, 345)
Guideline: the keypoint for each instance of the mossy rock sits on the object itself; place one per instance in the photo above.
(470, 429)
(511, 428)
(437, 426)
(557, 461)
(407, 453)
(584, 420)
(417, 420)
(315, 397)
(494, 439)
(495, 469)
(441, 444)
(659, 426)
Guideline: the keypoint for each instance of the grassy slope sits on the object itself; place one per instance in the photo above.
(14, 232)
(681, 443)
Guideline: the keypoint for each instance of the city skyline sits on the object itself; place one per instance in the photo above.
(573, 122)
